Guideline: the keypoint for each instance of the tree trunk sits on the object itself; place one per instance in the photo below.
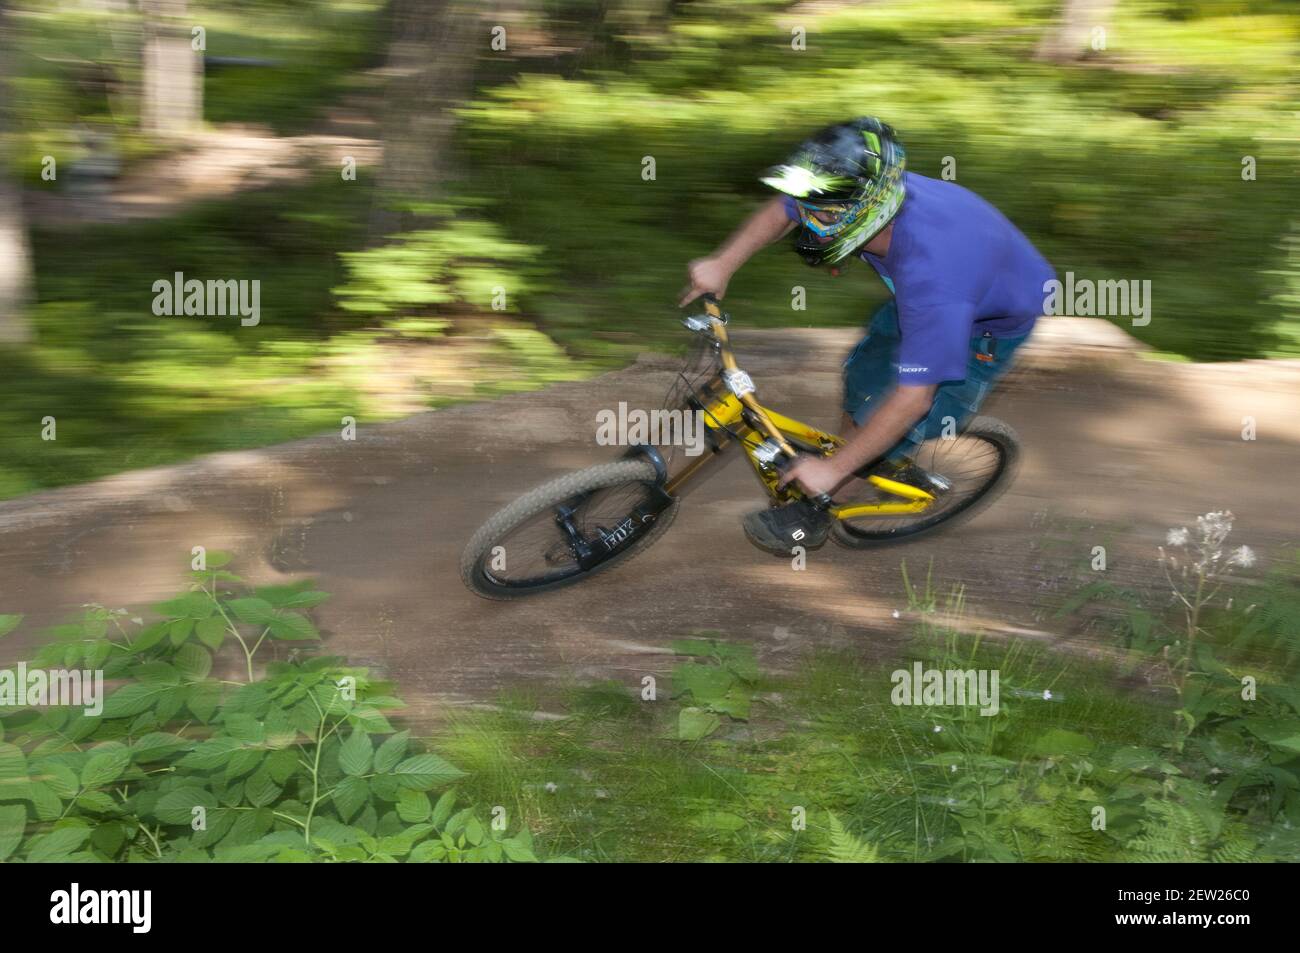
(1070, 38)
(431, 57)
(15, 255)
(171, 103)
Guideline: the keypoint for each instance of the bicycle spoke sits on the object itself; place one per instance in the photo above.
(969, 463)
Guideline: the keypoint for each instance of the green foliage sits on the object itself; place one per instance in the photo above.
(1192, 830)
(1152, 132)
(75, 67)
(129, 389)
(844, 848)
(718, 681)
(461, 260)
(1071, 154)
(221, 703)
(1076, 766)
(202, 755)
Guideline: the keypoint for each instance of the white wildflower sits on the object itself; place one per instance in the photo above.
(1176, 537)
(1214, 528)
(1242, 556)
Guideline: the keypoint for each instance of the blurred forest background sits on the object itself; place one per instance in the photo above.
(500, 231)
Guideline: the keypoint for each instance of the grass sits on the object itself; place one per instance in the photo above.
(1089, 757)
(613, 781)
(1079, 740)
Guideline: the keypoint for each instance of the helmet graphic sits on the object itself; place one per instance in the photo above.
(847, 182)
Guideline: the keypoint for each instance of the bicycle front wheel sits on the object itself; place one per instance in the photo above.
(568, 530)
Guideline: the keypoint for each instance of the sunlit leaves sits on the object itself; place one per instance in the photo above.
(59, 844)
(13, 820)
(426, 771)
(104, 767)
(356, 754)
(137, 697)
(184, 763)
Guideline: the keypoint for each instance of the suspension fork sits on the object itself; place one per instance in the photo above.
(694, 467)
(607, 541)
(564, 519)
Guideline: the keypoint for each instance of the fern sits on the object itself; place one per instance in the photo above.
(1236, 846)
(1192, 833)
(1060, 830)
(1171, 834)
(847, 849)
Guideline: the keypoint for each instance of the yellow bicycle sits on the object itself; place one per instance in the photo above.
(582, 523)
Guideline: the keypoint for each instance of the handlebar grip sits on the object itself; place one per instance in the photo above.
(822, 501)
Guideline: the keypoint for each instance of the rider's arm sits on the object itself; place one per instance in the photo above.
(768, 223)
(711, 274)
(895, 416)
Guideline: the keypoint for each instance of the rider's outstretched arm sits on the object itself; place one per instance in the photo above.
(896, 415)
(711, 274)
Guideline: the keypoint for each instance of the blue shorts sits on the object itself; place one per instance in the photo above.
(871, 372)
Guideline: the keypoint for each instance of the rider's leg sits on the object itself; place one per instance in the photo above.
(956, 402)
(871, 369)
(870, 372)
(853, 486)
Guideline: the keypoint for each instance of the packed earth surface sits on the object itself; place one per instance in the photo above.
(1116, 450)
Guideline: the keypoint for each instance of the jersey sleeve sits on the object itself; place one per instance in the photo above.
(935, 341)
(791, 210)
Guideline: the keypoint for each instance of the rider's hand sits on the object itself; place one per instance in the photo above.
(705, 275)
(815, 475)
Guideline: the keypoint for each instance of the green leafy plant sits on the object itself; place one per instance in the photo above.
(718, 683)
(1224, 780)
(461, 261)
(844, 848)
(227, 739)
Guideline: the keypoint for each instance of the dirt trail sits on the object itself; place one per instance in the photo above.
(1115, 452)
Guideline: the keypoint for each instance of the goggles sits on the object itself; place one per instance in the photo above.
(826, 221)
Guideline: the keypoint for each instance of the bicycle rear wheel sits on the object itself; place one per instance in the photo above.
(568, 530)
(978, 465)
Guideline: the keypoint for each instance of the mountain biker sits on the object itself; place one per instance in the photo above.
(967, 288)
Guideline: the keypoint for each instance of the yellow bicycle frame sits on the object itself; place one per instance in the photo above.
(744, 417)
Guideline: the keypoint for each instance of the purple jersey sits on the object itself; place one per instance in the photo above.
(957, 268)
